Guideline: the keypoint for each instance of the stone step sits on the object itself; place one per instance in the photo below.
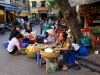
(88, 64)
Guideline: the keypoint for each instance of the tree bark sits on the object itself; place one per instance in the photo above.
(71, 18)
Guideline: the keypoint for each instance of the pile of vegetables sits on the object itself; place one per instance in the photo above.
(50, 50)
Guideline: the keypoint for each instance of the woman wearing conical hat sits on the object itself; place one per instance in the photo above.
(51, 39)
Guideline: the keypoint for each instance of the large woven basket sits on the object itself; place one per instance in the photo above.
(31, 54)
(50, 55)
(37, 48)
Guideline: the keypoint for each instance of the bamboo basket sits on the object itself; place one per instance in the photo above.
(50, 55)
(37, 48)
(31, 54)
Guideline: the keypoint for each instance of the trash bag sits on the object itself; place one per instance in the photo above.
(85, 41)
(83, 51)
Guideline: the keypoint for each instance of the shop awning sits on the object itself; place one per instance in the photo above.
(81, 2)
(10, 8)
(42, 9)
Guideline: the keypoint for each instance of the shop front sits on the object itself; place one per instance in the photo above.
(91, 13)
(11, 13)
(7, 12)
(43, 12)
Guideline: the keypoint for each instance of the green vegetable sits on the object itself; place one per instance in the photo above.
(23, 52)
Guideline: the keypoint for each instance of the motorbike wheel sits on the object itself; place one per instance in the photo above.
(3, 31)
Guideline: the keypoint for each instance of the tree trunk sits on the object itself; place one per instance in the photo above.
(71, 18)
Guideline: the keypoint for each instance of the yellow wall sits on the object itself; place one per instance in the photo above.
(24, 14)
(1, 16)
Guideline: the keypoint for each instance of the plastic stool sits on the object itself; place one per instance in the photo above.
(38, 56)
(71, 58)
(42, 36)
(25, 45)
(5, 44)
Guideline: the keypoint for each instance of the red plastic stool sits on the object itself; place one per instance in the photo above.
(58, 32)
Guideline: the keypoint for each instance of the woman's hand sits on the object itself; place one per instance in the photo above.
(56, 49)
(45, 41)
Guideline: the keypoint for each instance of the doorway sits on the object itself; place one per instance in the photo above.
(43, 15)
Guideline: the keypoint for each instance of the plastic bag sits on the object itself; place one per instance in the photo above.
(76, 46)
(85, 41)
(83, 51)
(60, 57)
(34, 32)
(22, 31)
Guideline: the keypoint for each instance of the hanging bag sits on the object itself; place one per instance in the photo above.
(85, 41)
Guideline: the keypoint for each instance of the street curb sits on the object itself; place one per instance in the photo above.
(86, 63)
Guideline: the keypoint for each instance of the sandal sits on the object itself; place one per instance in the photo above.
(65, 69)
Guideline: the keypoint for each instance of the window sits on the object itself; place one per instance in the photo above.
(33, 4)
(42, 3)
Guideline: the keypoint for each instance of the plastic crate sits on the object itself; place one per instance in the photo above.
(89, 20)
(5, 44)
(96, 40)
(58, 32)
(95, 30)
(87, 30)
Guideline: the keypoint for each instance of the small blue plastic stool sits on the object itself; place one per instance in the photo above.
(5, 44)
(38, 56)
(71, 58)
(25, 45)
(42, 36)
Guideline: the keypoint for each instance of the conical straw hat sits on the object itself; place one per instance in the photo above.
(51, 31)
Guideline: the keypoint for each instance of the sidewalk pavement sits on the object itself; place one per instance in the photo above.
(91, 61)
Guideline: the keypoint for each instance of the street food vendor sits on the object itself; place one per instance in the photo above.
(65, 48)
(51, 39)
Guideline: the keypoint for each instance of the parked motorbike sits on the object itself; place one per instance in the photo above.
(2, 29)
(32, 23)
(8, 26)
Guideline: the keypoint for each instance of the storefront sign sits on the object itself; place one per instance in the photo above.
(12, 9)
(96, 21)
(42, 11)
(26, 11)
